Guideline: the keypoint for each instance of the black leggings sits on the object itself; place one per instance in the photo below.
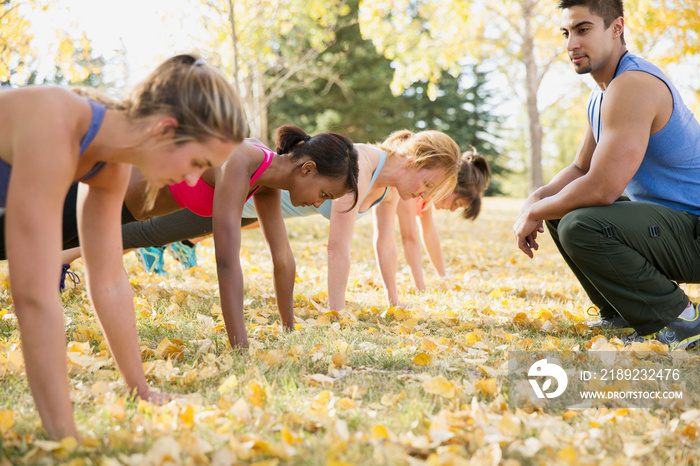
(159, 231)
(165, 229)
(70, 222)
(156, 231)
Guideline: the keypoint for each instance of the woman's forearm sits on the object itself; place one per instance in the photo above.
(386, 254)
(431, 241)
(231, 294)
(412, 253)
(284, 273)
(115, 310)
(338, 273)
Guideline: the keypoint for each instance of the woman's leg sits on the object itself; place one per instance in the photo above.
(165, 229)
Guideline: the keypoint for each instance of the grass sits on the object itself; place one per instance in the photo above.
(368, 385)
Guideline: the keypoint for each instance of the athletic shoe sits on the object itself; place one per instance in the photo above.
(186, 255)
(616, 322)
(65, 273)
(679, 334)
(152, 259)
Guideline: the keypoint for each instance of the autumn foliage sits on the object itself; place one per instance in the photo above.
(367, 385)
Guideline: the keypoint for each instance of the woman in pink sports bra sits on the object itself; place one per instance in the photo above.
(313, 170)
(200, 197)
(50, 138)
(472, 180)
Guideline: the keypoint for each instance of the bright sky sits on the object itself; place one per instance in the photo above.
(149, 30)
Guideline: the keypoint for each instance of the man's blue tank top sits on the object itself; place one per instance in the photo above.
(670, 171)
(289, 211)
(98, 113)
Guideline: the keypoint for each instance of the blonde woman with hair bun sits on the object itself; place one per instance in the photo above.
(408, 166)
(183, 118)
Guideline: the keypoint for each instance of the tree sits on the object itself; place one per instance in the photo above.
(355, 100)
(666, 30)
(16, 53)
(502, 31)
(73, 61)
(519, 36)
(360, 103)
(264, 43)
(461, 110)
(75, 64)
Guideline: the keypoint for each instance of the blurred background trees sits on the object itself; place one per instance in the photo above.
(357, 100)
(72, 58)
(520, 39)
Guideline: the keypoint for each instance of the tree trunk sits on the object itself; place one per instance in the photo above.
(234, 43)
(250, 89)
(254, 101)
(532, 83)
(262, 108)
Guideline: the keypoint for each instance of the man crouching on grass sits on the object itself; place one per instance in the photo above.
(629, 254)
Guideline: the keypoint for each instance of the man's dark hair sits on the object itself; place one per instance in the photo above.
(609, 10)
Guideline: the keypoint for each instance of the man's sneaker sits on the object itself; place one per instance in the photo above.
(616, 322)
(152, 259)
(186, 255)
(65, 273)
(679, 334)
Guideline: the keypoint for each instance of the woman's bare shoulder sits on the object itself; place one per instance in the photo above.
(368, 156)
(366, 148)
(46, 96)
(247, 150)
(49, 108)
(42, 117)
(241, 164)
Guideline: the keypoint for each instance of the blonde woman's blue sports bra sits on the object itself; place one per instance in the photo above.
(98, 113)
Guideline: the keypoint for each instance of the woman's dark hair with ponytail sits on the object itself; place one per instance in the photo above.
(472, 180)
(335, 155)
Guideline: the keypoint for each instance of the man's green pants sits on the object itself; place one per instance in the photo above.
(630, 257)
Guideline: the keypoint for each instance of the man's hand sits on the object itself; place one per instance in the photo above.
(526, 231)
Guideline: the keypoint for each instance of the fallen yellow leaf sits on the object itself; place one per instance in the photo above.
(345, 403)
(567, 455)
(340, 359)
(471, 338)
(229, 384)
(521, 319)
(187, 416)
(487, 387)
(256, 394)
(428, 345)
(7, 420)
(422, 359)
(379, 431)
(319, 379)
(168, 349)
(440, 386)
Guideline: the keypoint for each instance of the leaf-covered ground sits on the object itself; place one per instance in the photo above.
(369, 385)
